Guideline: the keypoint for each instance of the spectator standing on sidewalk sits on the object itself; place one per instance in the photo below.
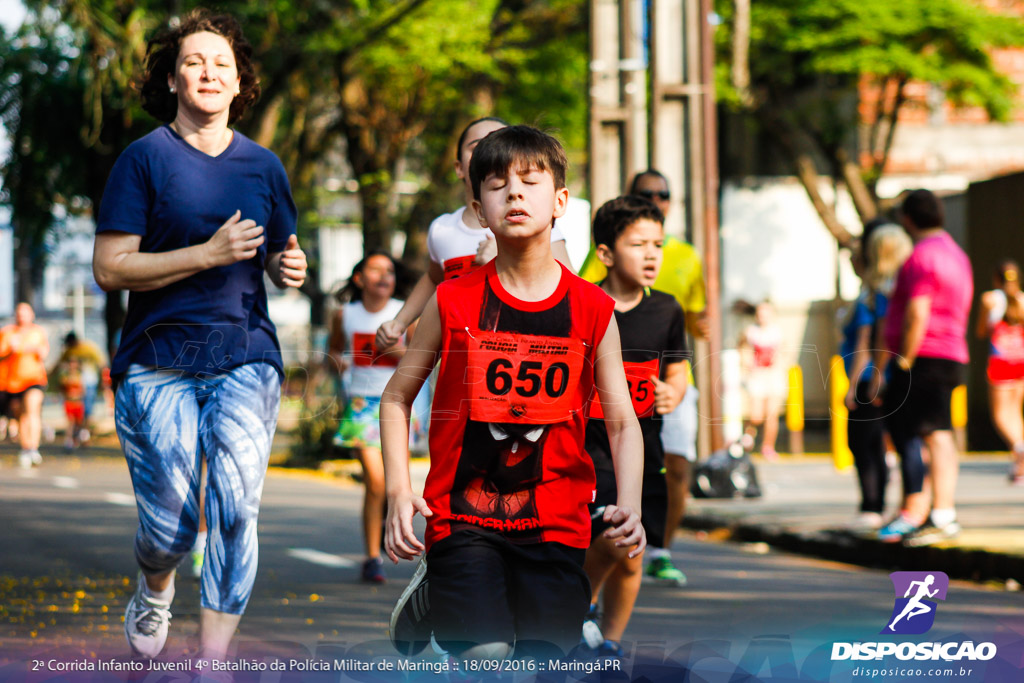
(925, 337)
(765, 378)
(1001, 321)
(883, 249)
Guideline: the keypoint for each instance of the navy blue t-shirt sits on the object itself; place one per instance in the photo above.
(176, 196)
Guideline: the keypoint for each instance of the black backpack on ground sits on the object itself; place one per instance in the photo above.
(727, 473)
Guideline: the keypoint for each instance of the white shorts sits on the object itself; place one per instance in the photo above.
(679, 428)
(766, 383)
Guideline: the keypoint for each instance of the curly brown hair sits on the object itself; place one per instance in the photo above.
(162, 55)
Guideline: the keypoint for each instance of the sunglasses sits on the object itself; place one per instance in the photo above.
(651, 194)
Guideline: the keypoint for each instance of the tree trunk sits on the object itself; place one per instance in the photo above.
(113, 316)
(376, 224)
(863, 197)
(25, 290)
(806, 171)
(810, 179)
(741, 51)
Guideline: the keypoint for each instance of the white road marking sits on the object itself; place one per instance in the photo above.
(65, 482)
(120, 499)
(320, 558)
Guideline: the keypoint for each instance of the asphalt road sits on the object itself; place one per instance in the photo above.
(66, 570)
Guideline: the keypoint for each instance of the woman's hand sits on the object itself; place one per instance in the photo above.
(292, 264)
(236, 240)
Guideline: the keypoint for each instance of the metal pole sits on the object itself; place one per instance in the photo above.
(711, 251)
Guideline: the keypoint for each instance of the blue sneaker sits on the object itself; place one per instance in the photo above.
(373, 570)
(610, 648)
(896, 530)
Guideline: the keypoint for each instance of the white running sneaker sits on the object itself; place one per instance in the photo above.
(410, 628)
(145, 623)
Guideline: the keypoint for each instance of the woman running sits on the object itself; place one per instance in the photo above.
(193, 216)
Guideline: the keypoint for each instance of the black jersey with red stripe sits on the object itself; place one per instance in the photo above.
(508, 420)
(653, 337)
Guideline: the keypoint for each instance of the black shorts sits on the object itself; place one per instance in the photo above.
(484, 589)
(653, 505)
(917, 403)
(19, 394)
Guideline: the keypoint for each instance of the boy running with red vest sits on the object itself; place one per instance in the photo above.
(523, 343)
(629, 236)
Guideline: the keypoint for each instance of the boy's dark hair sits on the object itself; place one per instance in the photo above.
(519, 147)
(162, 56)
(462, 136)
(923, 209)
(617, 214)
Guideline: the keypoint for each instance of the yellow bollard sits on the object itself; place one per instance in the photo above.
(839, 384)
(795, 410)
(958, 407)
(958, 416)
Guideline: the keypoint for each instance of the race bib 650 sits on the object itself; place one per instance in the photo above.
(523, 378)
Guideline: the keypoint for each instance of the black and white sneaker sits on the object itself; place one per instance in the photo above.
(929, 533)
(145, 623)
(410, 620)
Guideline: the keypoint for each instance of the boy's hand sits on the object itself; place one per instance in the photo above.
(666, 397)
(485, 251)
(399, 537)
(627, 527)
(388, 334)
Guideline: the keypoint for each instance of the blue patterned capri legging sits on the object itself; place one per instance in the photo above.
(167, 422)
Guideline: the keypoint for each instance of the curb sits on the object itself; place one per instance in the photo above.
(975, 564)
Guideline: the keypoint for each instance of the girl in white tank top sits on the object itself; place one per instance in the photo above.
(370, 293)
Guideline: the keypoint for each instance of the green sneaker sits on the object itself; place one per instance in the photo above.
(662, 570)
(196, 559)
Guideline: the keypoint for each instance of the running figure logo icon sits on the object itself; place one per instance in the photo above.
(914, 612)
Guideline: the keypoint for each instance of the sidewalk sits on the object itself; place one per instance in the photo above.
(807, 505)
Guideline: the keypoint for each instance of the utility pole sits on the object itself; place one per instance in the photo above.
(618, 97)
(681, 142)
(684, 147)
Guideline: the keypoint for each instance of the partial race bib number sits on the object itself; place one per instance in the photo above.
(523, 378)
(364, 352)
(461, 265)
(641, 389)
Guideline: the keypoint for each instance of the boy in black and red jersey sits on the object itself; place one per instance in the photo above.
(523, 344)
(629, 236)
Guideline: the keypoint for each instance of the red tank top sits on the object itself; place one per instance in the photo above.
(1007, 342)
(508, 422)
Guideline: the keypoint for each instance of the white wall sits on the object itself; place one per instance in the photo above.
(774, 245)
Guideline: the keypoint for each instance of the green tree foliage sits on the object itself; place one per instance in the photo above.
(385, 84)
(808, 57)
